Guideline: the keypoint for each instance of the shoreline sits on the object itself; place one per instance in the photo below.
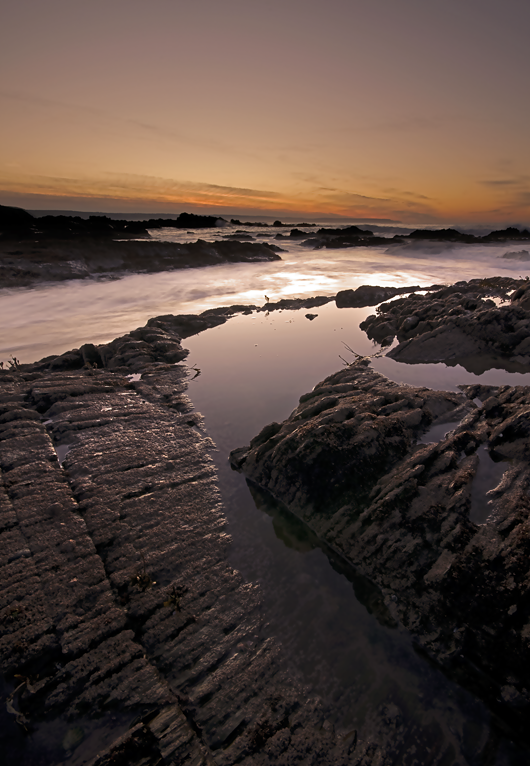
(99, 410)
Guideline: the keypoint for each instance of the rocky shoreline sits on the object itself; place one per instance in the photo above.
(124, 631)
(478, 324)
(354, 462)
(36, 250)
(126, 634)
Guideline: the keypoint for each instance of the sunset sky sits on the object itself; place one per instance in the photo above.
(409, 110)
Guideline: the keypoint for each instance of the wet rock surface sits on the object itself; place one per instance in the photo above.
(371, 295)
(478, 324)
(350, 463)
(125, 636)
(26, 263)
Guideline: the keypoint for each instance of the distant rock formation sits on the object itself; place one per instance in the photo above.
(517, 255)
(26, 263)
(17, 223)
(370, 295)
(352, 236)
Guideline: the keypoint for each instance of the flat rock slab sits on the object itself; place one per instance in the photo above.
(126, 637)
(350, 462)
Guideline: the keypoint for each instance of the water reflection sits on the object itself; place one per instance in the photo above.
(295, 534)
(333, 625)
(488, 476)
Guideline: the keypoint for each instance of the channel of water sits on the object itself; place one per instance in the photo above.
(336, 633)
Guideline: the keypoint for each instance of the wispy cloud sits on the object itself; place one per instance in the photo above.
(513, 182)
(132, 186)
(111, 121)
(404, 193)
(512, 195)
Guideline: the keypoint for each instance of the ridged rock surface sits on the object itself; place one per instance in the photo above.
(126, 637)
(347, 462)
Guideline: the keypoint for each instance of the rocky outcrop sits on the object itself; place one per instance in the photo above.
(23, 264)
(460, 324)
(370, 295)
(517, 255)
(352, 236)
(349, 464)
(125, 633)
(18, 223)
(326, 241)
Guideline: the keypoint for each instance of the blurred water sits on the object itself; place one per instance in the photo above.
(51, 319)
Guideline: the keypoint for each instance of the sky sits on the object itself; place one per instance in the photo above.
(414, 111)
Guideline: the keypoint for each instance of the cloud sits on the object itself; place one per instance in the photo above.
(501, 182)
(405, 193)
(131, 187)
(512, 195)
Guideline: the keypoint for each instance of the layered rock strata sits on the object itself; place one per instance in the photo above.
(349, 464)
(126, 637)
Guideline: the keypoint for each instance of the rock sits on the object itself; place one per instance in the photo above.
(82, 257)
(347, 463)
(521, 296)
(444, 235)
(510, 233)
(517, 255)
(459, 324)
(368, 295)
(293, 304)
(14, 219)
(122, 619)
(346, 240)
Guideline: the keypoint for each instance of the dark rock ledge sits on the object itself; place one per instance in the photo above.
(27, 263)
(125, 635)
(347, 463)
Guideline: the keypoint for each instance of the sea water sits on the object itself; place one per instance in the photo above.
(51, 319)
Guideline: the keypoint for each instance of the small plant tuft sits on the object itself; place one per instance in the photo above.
(14, 363)
(357, 356)
(173, 599)
(142, 579)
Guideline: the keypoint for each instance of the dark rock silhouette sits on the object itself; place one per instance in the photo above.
(15, 222)
(369, 295)
(441, 235)
(350, 231)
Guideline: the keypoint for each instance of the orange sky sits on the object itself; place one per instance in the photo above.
(410, 111)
